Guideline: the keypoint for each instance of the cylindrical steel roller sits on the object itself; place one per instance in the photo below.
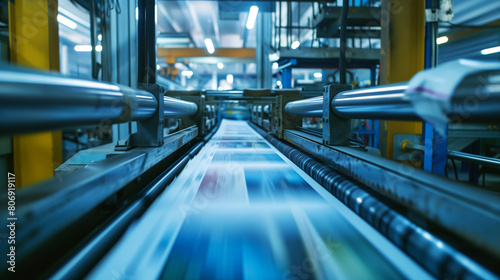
(34, 101)
(178, 108)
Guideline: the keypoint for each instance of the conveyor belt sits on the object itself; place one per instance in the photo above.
(240, 209)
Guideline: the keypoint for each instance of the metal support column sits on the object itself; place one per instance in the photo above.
(376, 135)
(436, 150)
(93, 39)
(402, 39)
(146, 33)
(125, 30)
(286, 77)
(149, 132)
(34, 43)
(264, 37)
(436, 146)
(475, 149)
(373, 76)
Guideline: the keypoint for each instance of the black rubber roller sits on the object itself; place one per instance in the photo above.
(439, 259)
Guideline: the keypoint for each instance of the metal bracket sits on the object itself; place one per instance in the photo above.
(200, 118)
(149, 132)
(336, 130)
(282, 120)
(444, 13)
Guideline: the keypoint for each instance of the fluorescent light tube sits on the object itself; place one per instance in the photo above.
(252, 16)
(66, 21)
(210, 45)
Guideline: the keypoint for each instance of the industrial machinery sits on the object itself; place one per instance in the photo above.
(241, 184)
(244, 200)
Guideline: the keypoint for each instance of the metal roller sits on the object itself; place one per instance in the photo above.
(384, 102)
(311, 107)
(34, 101)
(462, 91)
(178, 108)
(266, 109)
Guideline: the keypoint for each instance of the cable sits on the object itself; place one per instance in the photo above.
(484, 174)
(454, 168)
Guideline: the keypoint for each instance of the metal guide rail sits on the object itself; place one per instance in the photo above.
(242, 210)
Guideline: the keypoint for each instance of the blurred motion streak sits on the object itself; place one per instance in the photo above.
(241, 210)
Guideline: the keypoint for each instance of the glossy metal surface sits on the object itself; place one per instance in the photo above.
(241, 210)
(178, 108)
(267, 109)
(474, 100)
(34, 101)
(383, 102)
(311, 107)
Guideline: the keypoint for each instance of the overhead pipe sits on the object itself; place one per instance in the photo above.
(343, 41)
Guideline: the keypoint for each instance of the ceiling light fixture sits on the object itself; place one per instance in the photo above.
(83, 48)
(252, 16)
(441, 40)
(318, 75)
(187, 73)
(490, 50)
(295, 45)
(274, 57)
(220, 65)
(66, 21)
(210, 45)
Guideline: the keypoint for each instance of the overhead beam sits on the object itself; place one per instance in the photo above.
(171, 54)
(328, 53)
(455, 33)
